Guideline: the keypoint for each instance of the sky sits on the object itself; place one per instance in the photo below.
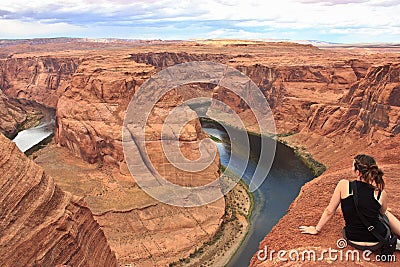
(336, 21)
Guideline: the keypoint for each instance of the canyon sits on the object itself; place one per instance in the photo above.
(330, 103)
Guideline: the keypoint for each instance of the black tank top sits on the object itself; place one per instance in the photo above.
(369, 207)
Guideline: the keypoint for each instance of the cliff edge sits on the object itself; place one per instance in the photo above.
(41, 225)
(365, 120)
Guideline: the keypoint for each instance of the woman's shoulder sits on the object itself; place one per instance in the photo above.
(343, 183)
(343, 187)
(383, 194)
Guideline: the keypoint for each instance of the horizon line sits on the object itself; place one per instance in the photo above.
(304, 41)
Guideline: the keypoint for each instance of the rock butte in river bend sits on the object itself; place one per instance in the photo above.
(337, 101)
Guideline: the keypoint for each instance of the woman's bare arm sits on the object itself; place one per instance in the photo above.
(329, 210)
(383, 202)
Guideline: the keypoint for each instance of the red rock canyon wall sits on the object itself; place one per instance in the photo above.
(40, 225)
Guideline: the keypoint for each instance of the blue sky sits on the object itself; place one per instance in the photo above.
(341, 21)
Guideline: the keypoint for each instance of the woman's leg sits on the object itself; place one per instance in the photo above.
(394, 223)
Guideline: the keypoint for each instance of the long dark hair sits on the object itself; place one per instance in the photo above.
(370, 172)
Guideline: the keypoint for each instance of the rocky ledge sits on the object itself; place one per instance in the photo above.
(41, 225)
(365, 120)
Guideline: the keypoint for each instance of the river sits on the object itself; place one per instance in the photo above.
(31, 137)
(272, 199)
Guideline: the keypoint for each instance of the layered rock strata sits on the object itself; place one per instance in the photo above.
(365, 120)
(90, 116)
(11, 116)
(90, 112)
(286, 86)
(41, 79)
(41, 225)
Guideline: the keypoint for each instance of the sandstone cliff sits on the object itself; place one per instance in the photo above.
(11, 116)
(90, 115)
(287, 85)
(163, 60)
(42, 79)
(91, 111)
(364, 120)
(40, 225)
(369, 109)
(91, 98)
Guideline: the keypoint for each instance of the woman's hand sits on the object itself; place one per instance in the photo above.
(312, 230)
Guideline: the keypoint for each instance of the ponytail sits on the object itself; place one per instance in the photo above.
(374, 174)
(370, 172)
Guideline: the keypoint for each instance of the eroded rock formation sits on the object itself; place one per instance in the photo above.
(41, 225)
(364, 120)
(90, 116)
(11, 116)
(91, 112)
(42, 79)
(166, 59)
(287, 85)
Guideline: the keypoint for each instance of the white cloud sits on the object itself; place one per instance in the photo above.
(21, 29)
(273, 24)
(367, 31)
(233, 34)
(385, 3)
(333, 2)
(212, 17)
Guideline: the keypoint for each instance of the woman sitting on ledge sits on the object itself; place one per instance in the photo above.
(372, 202)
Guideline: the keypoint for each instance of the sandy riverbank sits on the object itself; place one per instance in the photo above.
(218, 252)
